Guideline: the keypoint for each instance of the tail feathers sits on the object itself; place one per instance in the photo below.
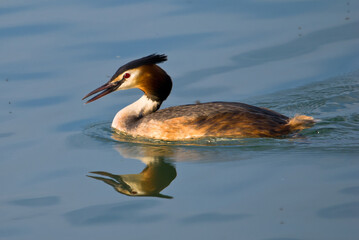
(300, 122)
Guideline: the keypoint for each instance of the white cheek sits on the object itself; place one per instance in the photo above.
(130, 82)
(127, 85)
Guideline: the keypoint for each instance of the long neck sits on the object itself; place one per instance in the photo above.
(133, 112)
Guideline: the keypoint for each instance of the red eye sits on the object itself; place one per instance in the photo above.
(126, 75)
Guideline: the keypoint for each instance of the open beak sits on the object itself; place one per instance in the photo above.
(104, 90)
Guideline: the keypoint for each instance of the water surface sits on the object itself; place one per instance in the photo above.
(64, 173)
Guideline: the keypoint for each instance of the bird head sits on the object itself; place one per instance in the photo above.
(141, 73)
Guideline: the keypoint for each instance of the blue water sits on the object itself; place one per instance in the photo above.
(64, 174)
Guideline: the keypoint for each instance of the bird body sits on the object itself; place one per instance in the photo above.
(193, 121)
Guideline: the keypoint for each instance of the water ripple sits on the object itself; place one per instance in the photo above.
(334, 102)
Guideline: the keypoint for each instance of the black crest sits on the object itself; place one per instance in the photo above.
(148, 60)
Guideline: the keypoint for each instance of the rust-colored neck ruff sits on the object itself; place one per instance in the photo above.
(154, 82)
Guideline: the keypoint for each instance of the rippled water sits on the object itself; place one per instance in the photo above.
(64, 173)
(334, 103)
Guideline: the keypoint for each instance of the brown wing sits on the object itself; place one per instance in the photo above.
(211, 108)
(218, 119)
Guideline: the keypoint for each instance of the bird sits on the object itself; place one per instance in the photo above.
(143, 119)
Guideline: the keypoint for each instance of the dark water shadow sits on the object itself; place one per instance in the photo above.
(257, 9)
(292, 49)
(36, 202)
(133, 212)
(107, 3)
(7, 233)
(213, 217)
(350, 190)
(6, 134)
(110, 49)
(41, 102)
(30, 30)
(340, 211)
(282, 238)
(14, 10)
(76, 125)
(14, 75)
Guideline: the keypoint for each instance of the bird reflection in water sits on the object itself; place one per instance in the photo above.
(155, 177)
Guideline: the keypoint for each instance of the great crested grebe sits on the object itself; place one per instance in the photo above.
(213, 119)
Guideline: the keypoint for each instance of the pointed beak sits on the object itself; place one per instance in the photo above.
(103, 90)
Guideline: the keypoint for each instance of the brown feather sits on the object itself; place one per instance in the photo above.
(216, 119)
